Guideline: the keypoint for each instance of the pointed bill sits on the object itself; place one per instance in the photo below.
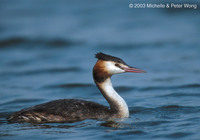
(135, 70)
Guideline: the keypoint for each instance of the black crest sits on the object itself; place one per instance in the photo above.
(105, 57)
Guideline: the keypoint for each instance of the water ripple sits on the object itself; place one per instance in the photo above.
(151, 123)
(181, 95)
(164, 109)
(123, 88)
(18, 101)
(195, 85)
(178, 135)
(134, 132)
(71, 85)
(40, 71)
(42, 42)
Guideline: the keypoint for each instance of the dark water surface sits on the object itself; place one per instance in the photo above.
(47, 52)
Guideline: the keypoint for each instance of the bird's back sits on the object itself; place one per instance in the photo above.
(66, 110)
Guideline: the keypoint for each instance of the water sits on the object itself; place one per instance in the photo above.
(47, 52)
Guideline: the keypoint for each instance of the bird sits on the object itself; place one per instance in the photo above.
(73, 110)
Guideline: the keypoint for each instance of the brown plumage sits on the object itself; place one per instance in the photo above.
(66, 110)
(99, 72)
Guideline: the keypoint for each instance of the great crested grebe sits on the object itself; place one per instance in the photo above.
(70, 110)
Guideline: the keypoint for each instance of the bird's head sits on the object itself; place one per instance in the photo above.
(108, 65)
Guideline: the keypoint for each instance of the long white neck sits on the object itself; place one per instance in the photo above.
(117, 103)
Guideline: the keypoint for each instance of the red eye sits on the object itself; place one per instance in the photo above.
(117, 65)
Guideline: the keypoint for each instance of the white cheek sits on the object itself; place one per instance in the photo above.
(113, 69)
